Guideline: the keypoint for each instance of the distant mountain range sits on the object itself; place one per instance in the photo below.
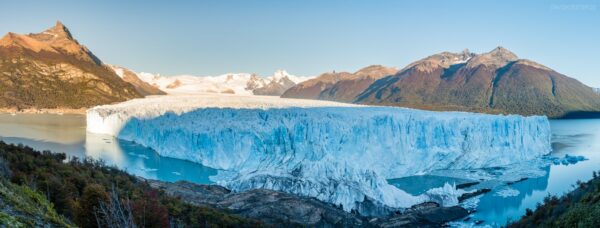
(493, 82)
(233, 83)
(52, 70)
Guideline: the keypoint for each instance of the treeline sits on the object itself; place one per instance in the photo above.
(90, 194)
(579, 208)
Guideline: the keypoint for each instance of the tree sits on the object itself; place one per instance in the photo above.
(91, 199)
(115, 214)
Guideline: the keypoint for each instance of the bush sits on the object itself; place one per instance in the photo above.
(77, 188)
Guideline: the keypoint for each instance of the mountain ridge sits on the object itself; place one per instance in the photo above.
(340, 86)
(497, 82)
(231, 83)
(52, 70)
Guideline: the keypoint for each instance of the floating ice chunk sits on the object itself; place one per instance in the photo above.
(567, 160)
(506, 192)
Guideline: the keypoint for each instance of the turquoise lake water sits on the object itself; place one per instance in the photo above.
(67, 134)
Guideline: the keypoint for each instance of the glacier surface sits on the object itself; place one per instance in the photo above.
(338, 153)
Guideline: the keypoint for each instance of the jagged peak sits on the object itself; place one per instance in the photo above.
(280, 74)
(503, 52)
(441, 60)
(58, 31)
(498, 57)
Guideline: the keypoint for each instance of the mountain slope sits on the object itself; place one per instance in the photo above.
(342, 86)
(52, 70)
(496, 82)
(132, 78)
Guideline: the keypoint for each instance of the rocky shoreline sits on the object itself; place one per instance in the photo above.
(279, 209)
(58, 111)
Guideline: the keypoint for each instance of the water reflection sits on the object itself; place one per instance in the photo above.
(573, 137)
(66, 133)
(493, 208)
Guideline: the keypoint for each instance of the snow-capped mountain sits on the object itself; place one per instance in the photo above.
(336, 152)
(232, 83)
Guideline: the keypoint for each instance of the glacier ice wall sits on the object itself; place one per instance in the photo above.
(341, 154)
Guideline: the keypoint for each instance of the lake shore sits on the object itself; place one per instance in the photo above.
(59, 111)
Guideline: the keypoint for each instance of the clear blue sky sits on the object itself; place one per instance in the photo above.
(311, 37)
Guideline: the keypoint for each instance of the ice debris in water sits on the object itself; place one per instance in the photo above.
(567, 160)
(446, 195)
(506, 192)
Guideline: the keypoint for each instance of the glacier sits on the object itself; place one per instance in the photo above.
(339, 153)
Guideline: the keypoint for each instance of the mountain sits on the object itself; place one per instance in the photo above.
(52, 70)
(233, 83)
(340, 86)
(132, 78)
(495, 82)
(277, 85)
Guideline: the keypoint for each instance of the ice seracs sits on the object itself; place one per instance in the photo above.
(338, 153)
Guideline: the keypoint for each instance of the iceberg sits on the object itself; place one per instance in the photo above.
(338, 153)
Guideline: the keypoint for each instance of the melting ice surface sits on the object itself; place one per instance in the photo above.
(66, 133)
(338, 153)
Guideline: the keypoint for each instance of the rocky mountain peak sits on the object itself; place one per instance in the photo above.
(59, 31)
(280, 74)
(441, 60)
(498, 57)
(59, 37)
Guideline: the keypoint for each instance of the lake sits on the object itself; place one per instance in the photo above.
(66, 133)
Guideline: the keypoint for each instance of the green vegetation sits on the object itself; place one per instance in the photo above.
(27, 207)
(88, 193)
(579, 208)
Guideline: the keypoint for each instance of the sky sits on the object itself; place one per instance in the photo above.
(310, 37)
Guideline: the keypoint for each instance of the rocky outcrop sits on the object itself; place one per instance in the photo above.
(278, 208)
(52, 70)
(270, 206)
(423, 215)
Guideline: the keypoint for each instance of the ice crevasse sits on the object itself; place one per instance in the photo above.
(338, 153)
